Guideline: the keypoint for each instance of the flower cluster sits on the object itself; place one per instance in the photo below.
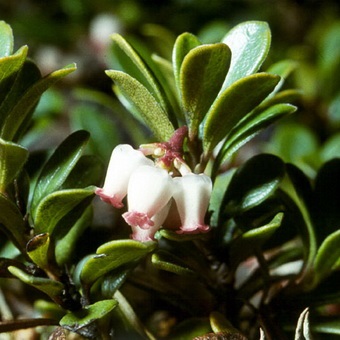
(156, 196)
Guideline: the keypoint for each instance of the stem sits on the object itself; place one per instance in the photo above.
(10, 326)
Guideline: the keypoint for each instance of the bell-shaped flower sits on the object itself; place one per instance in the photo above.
(123, 162)
(149, 191)
(144, 235)
(192, 195)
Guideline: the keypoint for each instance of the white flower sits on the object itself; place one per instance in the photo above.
(192, 194)
(149, 191)
(123, 162)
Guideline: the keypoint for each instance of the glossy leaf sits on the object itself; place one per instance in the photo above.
(250, 126)
(233, 104)
(183, 44)
(245, 245)
(59, 166)
(37, 249)
(51, 287)
(112, 255)
(202, 73)
(249, 43)
(12, 221)
(139, 97)
(302, 331)
(219, 324)
(74, 321)
(253, 182)
(55, 206)
(129, 61)
(166, 261)
(22, 109)
(6, 39)
(12, 159)
(327, 257)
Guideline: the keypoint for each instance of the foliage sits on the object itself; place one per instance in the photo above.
(269, 266)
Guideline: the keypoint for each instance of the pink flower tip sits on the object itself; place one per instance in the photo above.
(134, 218)
(113, 200)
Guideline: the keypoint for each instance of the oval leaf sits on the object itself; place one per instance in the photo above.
(201, 76)
(112, 255)
(6, 39)
(59, 166)
(37, 249)
(139, 97)
(55, 206)
(12, 159)
(74, 321)
(249, 43)
(233, 104)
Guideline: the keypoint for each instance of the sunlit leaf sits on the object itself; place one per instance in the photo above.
(6, 39)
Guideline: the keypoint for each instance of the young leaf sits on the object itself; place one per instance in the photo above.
(202, 74)
(59, 166)
(51, 287)
(112, 255)
(233, 104)
(130, 62)
(6, 39)
(12, 159)
(302, 331)
(74, 321)
(37, 249)
(52, 208)
(183, 44)
(249, 43)
(21, 110)
(253, 183)
(139, 97)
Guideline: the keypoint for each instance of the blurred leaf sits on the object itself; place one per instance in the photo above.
(5, 263)
(219, 324)
(190, 328)
(23, 107)
(131, 63)
(253, 182)
(112, 255)
(249, 127)
(6, 39)
(202, 73)
(302, 331)
(51, 287)
(74, 321)
(12, 220)
(327, 257)
(55, 206)
(12, 159)
(66, 245)
(59, 166)
(37, 249)
(151, 112)
(246, 244)
(233, 104)
(183, 44)
(166, 261)
(327, 327)
(331, 148)
(249, 43)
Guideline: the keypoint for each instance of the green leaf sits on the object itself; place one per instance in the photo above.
(327, 327)
(253, 183)
(202, 73)
(74, 321)
(190, 329)
(183, 44)
(249, 43)
(130, 62)
(233, 104)
(219, 324)
(245, 245)
(59, 166)
(327, 257)
(12, 159)
(37, 249)
(283, 69)
(139, 97)
(112, 255)
(55, 206)
(50, 287)
(250, 126)
(6, 39)
(23, 108)
(12, 221)
(166, 261)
